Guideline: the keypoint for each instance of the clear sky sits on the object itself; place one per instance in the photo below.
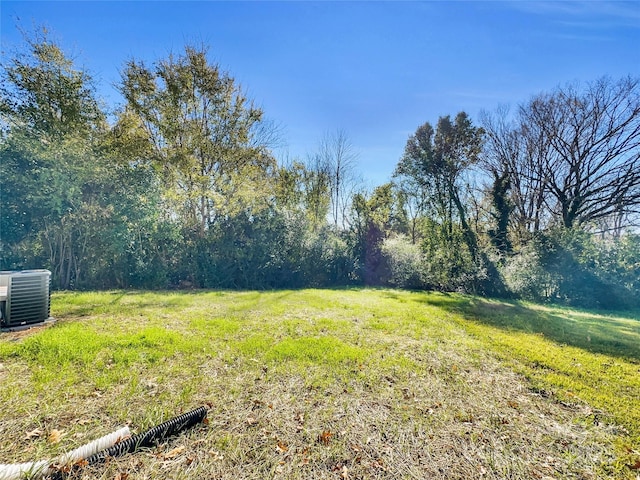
(377, 70)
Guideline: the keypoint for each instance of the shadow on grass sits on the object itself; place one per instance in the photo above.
(595, 332)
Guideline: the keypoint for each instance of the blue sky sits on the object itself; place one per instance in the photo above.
(377, 70)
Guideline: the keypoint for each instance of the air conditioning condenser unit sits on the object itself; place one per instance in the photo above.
(24, 297)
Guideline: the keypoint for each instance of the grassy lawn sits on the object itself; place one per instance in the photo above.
(356, 384)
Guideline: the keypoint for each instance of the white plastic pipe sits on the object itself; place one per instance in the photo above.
(17, 471)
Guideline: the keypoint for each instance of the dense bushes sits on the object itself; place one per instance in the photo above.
(574, 267)
(406, 263)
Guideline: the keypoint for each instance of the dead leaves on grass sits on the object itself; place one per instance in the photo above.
(634, 456)
(174, 452)
(251, 421)
(54, 436)
(35, 433)
(177, 455)
(217, 456)
(281, 447)
(325, 437)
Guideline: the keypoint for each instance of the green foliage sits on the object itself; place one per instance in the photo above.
(406, 264)
(577, 268)
(182, 191)
(502, 208)
(449, 264)
(430, 179)
(199, 128)
(43, 93)
(315, 350)
(525, 276)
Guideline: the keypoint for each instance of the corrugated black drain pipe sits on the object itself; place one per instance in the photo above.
(150, 438)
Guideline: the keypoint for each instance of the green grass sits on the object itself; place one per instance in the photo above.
(409, 385)
(577, 355)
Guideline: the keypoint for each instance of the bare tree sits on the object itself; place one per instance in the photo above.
(572, 156)
(516, 151)
(338, 157)
(317, 192)
(591, 170)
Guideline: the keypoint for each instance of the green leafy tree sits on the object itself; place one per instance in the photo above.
(201, 130)
(433, 171)
(375, 218)
(501, 213)
(435, 161)
(71, 200)
(51, 122)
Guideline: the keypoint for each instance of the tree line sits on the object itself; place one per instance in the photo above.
(179, 188)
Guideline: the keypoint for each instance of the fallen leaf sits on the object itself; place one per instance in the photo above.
(55, 436)
(345, 472)
(325, 437)
(281, 447)
(216, 455)
(121, 476)
(151, 385)
(513, 404)
(636, 465)
(174, 452)
(35, 433)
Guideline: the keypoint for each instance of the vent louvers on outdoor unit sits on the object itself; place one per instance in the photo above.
(24, 297)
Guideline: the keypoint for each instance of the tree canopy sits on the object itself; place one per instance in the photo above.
(179, 188)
